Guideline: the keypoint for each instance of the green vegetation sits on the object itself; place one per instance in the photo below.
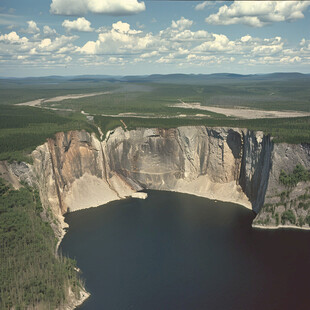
(288, 216)
(304, 205)
(304, 196)
(22, 129)
(294, 130)
(291, 180)
(151, 94)
(277, 219)
(288, 209)
(23, 90)
(31, 273)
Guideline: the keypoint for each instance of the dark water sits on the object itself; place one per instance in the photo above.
(176, 251)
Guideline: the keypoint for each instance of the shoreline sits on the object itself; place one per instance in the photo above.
(73, 301)
(280, 227)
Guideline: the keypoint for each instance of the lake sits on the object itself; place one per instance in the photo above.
(177, 251)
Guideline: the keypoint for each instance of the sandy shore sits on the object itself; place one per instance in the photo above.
(281, 227)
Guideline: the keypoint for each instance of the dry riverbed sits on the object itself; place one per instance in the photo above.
(38, 102)
(240, 112)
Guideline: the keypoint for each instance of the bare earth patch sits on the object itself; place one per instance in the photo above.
(239, 112)
(38, 102)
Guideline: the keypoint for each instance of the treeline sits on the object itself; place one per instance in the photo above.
(31, 274)
(299, 174)
(289, 130)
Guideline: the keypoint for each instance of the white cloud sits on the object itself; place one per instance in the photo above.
(90, 48)
(80, 24)
(305, 45)
(124, 28)
(177, 45)
(258, 13)
(149, 55)
(202, 5)
(13, 37)
(179, 32)
(48, 31)
(120, 39)
(110, 7)
(22, 57)
(48, 45)
(32, 27)
(220, 43)
(269, 46)
(246, 38)
(45, 43)
(181, 24)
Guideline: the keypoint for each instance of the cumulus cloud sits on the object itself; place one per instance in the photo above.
(13, 37)
(45, 43)
(48, 31)
(32, 27)
(80, 24)
(177, 44)
(179, 31)
(120, 39)
(109, 7)
(220, 43)
(258, 13)
(305, 45)
(181, 24)
(48, 45)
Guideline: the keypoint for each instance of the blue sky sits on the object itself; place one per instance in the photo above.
(121, 37)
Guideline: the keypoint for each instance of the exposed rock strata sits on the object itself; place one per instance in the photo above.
(77, 171)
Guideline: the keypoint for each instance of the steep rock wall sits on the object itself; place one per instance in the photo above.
(76, 171)
(71, 173)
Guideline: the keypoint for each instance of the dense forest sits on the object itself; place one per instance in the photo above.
(31, 273)
(22, 129)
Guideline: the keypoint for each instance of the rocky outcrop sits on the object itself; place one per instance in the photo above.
(279, 199)
(16, 173)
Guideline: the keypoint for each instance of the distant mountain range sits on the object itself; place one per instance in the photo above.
(163, 78)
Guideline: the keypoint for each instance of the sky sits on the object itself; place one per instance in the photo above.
(133, 37)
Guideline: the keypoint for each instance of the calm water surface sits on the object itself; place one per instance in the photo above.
(176, 251)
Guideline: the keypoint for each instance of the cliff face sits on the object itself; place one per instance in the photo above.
(72, 175)
(196, 160)
(77, 171)
(286, 206)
